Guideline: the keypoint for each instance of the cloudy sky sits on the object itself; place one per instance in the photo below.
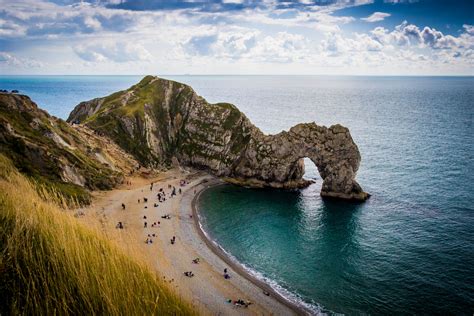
(359, 37)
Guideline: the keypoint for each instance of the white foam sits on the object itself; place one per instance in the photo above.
(295, 299)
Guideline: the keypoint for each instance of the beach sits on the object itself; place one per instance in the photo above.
(207, 290)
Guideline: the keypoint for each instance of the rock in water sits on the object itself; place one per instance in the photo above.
(157, 119)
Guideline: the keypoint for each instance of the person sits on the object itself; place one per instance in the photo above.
(145, 200)
(226, 276)
(179, 190)
(119, 225)
(225, 270)
(144, 225)
(138, 200)
(123, 206)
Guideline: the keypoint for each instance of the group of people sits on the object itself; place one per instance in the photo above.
(226, 275)
(240, 303)
(189, 274)
(149, 240)
(161, 196)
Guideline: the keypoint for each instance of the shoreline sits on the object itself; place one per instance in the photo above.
(208, 292)
(237, 266)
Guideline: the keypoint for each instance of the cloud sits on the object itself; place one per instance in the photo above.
(407, 45)
(407, 34)
(248, 44)
(11, 60)
(64, 18)
(376, 17)
(201, 45)
(218, 35)
(284, 47)
(400, 1)
(118, 52)
(336, 44)
(469, 29)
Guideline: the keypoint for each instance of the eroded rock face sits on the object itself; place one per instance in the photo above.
(158, 120)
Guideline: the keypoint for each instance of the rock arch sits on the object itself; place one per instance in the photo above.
(277, 160)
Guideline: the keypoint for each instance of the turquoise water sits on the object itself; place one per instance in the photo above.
(408, 250)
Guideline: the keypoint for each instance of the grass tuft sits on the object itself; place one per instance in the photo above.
(50, 263)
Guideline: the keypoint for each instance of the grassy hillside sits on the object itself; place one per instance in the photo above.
(53, 153)
(52, 264)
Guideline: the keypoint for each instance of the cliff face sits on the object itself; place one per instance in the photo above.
(47, 149)
(158, 121)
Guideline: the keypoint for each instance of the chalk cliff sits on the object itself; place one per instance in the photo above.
(160, 121)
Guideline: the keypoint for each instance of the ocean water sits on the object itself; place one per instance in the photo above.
(408, 250)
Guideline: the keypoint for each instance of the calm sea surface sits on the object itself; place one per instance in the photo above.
(408, 250)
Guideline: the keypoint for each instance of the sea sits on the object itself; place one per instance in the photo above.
(408, 250)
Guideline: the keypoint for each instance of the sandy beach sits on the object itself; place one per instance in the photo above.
(208, 290)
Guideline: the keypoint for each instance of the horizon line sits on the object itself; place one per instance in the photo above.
(231, 75)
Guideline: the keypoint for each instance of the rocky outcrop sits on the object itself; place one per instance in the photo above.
(70, 159)
(159, 120)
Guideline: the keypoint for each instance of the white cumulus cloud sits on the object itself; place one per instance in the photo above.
(113, 52)
(376, 17)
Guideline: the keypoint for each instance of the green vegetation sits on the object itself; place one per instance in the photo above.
(26, 137)
(51, 264)
(169, 103)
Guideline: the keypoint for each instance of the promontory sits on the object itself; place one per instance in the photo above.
(162, 123)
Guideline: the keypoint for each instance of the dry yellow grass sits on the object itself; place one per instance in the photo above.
(52, 264)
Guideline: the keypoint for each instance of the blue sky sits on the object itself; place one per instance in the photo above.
(350, 37)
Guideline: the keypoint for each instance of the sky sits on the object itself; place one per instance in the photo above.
(303, 37)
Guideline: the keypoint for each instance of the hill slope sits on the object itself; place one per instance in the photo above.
(52, 264)
(73, 160)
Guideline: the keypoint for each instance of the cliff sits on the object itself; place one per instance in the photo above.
(68, 159)
(159, 121)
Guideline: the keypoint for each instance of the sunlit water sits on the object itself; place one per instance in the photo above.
(409, 249)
